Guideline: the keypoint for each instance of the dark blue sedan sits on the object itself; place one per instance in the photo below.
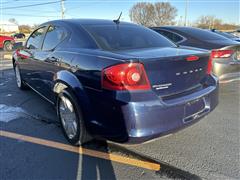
(115, 80)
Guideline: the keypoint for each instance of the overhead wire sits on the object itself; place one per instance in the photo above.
(28, 15)
(31, 5)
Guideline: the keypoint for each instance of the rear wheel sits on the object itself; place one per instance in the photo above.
(8, 46)
(71, 118)
(18, 76)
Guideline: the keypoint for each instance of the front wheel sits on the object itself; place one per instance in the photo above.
(71, 118)
(18, 76)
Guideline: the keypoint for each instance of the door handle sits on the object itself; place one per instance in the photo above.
(53, 59)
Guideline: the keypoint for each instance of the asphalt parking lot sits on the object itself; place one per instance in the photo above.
(32, 145)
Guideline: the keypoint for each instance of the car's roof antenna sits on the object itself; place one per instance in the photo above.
(117, 21)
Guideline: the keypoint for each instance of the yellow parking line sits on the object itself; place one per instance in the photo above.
(84, 151)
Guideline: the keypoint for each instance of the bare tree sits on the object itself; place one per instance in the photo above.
(24, 28)
(13, 20)
(34, 26)
(208, 22)
(164, 13)
(142, 13)
(148, 14)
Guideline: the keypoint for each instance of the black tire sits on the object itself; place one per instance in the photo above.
(19, 81)
(8, 46)
(82, 135)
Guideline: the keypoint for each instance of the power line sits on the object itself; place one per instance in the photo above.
(33, 10)
(27, 15)
(31, 5)
(6, 2)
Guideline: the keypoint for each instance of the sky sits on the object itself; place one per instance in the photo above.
(227, 10)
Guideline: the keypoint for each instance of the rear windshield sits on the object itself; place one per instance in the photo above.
(126, 37)
(204, 34)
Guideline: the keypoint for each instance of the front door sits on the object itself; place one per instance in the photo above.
(29, 63)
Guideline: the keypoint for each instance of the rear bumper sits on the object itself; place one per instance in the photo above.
(226, 71)
(138, 117)
(151, 119)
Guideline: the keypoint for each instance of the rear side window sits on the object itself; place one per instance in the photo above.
(172, 36)
(35, 40)
(203, 34)
(54, 36)
(126, 37)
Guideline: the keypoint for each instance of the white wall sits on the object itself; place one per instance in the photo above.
(8, 27)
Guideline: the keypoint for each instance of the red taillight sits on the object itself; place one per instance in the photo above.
(209, 67)
(221, 53)
(130, 76)
(218, 54)
(21, 54)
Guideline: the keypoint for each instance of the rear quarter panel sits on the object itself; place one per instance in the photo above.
(84, 78)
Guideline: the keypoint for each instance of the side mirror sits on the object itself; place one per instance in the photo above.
(18, 45)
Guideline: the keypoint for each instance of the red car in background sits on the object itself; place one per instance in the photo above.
(6, 42)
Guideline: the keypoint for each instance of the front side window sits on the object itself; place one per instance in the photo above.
(35, 40)
(172, 36)
(54, 36)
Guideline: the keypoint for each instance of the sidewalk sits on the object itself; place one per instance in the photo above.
(5, 55)
(5, 64)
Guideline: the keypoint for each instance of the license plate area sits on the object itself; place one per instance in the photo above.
(194, 109)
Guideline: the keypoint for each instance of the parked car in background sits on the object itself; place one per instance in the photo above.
(235, 33)
(227, 35)
(224, 51)
(19, 35)
(6, 42)
(116, 80)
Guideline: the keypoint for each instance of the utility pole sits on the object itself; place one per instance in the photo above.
(186, 9)
(62, 9)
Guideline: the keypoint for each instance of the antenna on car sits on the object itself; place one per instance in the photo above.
(117, 21)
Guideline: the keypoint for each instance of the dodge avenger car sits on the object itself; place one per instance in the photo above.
(116, 80)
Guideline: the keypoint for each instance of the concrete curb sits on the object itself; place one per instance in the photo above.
(7, 56)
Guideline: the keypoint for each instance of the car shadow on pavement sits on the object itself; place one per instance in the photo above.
(96, 168)
(34, 117)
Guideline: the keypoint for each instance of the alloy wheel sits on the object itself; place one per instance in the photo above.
(68, 117)
(18, 77)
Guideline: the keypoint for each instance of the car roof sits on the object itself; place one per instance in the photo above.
(180, 28)
(87, 22)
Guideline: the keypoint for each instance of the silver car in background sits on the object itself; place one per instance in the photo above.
(226, 63)
(225, 53)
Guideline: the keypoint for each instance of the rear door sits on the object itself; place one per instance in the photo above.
(50, 60)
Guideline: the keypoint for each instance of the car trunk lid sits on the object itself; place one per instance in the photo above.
(169, 71)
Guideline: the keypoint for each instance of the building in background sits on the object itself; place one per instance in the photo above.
(6, 26)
